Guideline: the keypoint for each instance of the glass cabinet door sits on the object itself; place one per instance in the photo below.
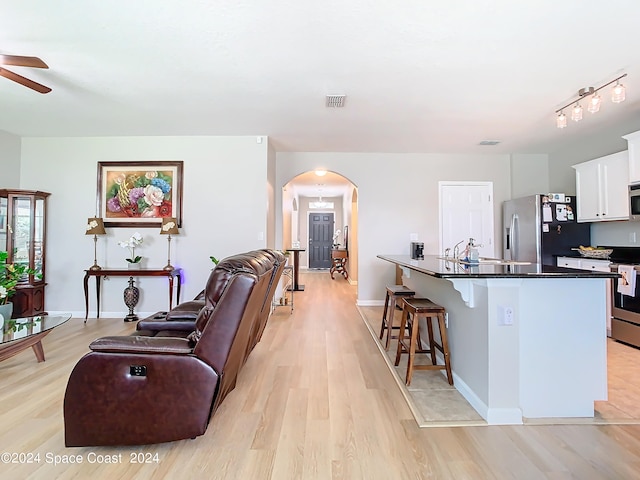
(3, 224)
(21, 227)
(38, 239)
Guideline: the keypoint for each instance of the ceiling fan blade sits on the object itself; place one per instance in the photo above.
(20, 61)
(24, 81)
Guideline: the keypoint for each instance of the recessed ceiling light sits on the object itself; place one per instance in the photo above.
(489, 142)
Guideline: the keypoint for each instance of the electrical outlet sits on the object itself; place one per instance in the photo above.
(632, 237)
(505, 315)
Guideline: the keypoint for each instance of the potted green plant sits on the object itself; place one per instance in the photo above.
(10, 276)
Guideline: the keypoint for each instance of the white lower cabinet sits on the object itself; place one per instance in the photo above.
(569, 262)
(595, 265)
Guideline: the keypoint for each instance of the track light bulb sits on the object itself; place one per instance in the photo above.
(576, 113)
(594, 103)
(561, 120)
(618, 93)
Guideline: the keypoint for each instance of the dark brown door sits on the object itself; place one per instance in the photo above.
(320, 239)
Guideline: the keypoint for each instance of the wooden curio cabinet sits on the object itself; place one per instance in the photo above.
(23, 236)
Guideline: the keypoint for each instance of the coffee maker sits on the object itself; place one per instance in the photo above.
(417, 250)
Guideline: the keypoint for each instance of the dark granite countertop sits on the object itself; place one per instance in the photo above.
(438, 267)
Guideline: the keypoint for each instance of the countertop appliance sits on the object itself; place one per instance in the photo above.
(417, 250)
(625, 309)
(540, 227)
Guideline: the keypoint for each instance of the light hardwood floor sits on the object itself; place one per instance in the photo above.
(314, 401)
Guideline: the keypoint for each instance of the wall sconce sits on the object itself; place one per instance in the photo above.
(618, 94)
(95, 227)
(169, 227)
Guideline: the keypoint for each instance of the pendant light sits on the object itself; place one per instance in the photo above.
(561, 120)
(576, 112)
(594, 103)
(618, 93)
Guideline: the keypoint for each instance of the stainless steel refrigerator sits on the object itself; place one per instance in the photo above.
(538, 228)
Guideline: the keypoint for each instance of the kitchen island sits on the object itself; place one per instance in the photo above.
(526, 341)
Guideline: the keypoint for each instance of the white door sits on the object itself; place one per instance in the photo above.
(466, 211)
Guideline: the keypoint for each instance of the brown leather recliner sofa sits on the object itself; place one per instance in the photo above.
(160, 385)
(267, 264)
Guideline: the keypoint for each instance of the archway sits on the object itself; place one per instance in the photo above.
(330, 192)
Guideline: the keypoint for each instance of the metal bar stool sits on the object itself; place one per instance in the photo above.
(394, 292)
(414, 309)
(287, 287)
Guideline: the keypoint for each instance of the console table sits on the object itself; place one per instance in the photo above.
(339, 262)
(124, 272)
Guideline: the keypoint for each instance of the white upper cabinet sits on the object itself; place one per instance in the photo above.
(602, 188)
(633, 141)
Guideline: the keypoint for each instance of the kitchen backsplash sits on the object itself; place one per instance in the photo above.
(616, 233)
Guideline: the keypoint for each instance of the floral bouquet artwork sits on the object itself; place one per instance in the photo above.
(139, 194)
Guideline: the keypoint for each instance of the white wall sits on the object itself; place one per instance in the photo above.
(397, 195)
(10, 161)
(225, 203)
(562, 177)
(529, 175)
(271, 196)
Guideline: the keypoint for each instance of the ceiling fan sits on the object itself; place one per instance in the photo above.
(20, 61)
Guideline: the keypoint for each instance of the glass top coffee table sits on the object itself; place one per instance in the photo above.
(19, 334)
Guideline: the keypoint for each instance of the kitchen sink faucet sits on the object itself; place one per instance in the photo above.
(456, 249)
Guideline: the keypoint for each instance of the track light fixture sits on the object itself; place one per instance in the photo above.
(617, 95)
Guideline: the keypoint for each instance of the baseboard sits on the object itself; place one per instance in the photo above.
(110, 315)
(493, 416)
(504, 416)
(370, 303)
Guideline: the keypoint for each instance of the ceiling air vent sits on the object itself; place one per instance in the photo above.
(489, 142)
(335, 100)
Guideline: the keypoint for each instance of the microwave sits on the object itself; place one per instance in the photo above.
(634, 201)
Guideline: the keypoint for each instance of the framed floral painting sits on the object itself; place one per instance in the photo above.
(139, 194)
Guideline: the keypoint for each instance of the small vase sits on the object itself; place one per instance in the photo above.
(6, 311)
(134, 266)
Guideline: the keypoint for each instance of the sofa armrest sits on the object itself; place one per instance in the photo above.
(165, 325)
(186, 310)
(143, 345)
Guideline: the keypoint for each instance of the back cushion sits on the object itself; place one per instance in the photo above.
(226, 330)
(256, 262)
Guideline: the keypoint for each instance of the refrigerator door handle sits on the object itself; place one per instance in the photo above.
(514, 236)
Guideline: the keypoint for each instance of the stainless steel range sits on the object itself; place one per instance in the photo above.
(625, 309)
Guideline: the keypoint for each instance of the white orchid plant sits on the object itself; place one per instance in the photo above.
(134, 241)
(336, 234)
